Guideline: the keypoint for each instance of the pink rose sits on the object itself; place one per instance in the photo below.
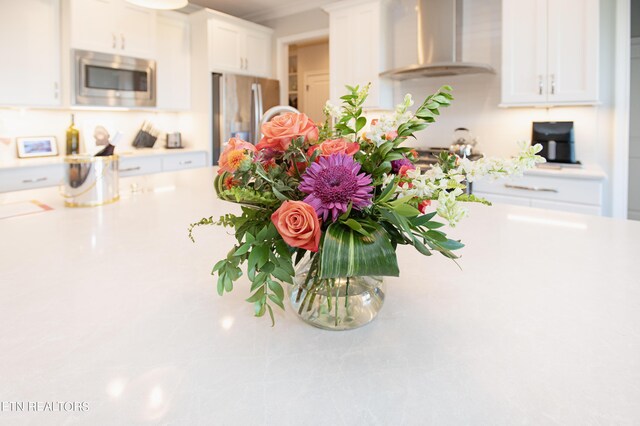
(298, 224)
(280, 131)
(234, 153)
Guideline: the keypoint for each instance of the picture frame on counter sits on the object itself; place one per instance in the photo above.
(37, 146)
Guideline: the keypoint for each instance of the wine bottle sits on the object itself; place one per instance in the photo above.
(73, 138)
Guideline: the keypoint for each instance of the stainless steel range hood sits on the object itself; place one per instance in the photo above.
(439, 43)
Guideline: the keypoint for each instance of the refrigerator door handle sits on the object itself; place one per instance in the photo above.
(256, 112)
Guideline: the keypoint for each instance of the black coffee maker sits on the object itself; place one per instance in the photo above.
(557, 140)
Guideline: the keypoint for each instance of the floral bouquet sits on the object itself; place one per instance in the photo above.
(324, 207)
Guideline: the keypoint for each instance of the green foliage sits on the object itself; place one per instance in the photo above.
(357, 249)
(425, 114)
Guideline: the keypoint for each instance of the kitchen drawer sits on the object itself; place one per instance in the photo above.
(17, 179)
(188, 160)
(545, 188)
(134, 166)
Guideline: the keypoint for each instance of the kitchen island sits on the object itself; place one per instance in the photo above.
(114, 308)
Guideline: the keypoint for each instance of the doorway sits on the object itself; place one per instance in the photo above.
(309, 77)
(303, 70)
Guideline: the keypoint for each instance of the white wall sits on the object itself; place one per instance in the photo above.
(311, 20)
(477, 96)
(36, 122)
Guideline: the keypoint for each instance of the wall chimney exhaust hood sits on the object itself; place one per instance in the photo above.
(439, 43)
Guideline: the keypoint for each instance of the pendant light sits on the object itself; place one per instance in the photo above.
(160, 4)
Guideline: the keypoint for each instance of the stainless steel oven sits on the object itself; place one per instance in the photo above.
(101, 79)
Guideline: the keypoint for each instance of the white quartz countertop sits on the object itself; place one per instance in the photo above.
(114, 306)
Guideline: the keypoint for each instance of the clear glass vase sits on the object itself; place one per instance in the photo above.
(336, 303)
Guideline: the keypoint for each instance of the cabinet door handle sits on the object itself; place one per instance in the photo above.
(129, 169)
(56, 92)
(246, 63)
(186, 162)
(42, 179)
(122, 41)
(114, 41)
(540, 85)
(530, 188)
(241, 63)
(553, 83)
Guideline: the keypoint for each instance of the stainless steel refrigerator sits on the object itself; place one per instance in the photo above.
(238, 104)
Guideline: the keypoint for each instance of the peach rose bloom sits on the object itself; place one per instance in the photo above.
(281, 130)
(298, 224)
(234, 153)
(338, 146)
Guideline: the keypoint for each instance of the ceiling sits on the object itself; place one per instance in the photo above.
(254, 8)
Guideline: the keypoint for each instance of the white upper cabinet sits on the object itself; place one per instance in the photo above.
(258, 53)
(30, 73)
(550, 52)
(113, 26)
(357, 40)
(239, 46)
(174, 61)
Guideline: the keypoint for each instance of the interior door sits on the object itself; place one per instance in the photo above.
(316, 93)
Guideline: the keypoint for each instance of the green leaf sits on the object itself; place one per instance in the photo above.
(387, 192)
(276, 288)
(282, 275)
(356, 226)
(406, 210)
(258, 257)
(360, 123)
(242, 249)
(346, 253)
(257, 296)
(421, 220)
(218, 266)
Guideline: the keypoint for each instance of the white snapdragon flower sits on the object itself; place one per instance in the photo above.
(449, 208)
(332, 110)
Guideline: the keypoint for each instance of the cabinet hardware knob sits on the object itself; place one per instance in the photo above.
(186, 162)
(530, 188)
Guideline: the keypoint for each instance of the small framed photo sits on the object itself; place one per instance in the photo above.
(39, 146)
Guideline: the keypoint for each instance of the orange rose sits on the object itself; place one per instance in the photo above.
(279, 132)
(234, 153)
(298, 224)
(338, 146)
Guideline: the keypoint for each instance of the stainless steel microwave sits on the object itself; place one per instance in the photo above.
(101, 79)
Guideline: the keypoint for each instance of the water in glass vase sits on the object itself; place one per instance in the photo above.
(336, 303)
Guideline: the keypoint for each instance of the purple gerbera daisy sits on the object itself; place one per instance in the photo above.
(333, 182)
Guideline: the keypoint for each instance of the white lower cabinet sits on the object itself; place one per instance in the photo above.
(134, 166)
(21, 178)
(578, 195)
(52, 174)
(184, 161)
